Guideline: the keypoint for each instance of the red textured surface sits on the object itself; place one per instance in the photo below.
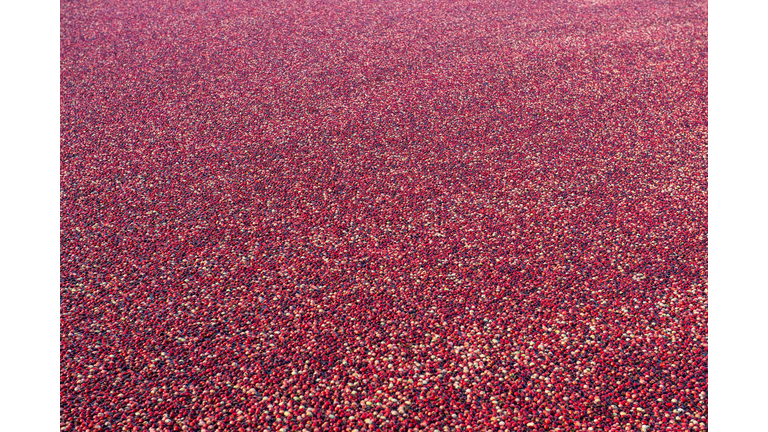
(405, 215)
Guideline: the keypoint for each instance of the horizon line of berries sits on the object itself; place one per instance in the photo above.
(362, 215)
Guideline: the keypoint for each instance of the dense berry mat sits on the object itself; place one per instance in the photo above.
(384, 215)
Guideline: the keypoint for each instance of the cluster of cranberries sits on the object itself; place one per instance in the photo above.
(470, 215)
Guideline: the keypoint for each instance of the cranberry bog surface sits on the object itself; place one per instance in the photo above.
(384, 215)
